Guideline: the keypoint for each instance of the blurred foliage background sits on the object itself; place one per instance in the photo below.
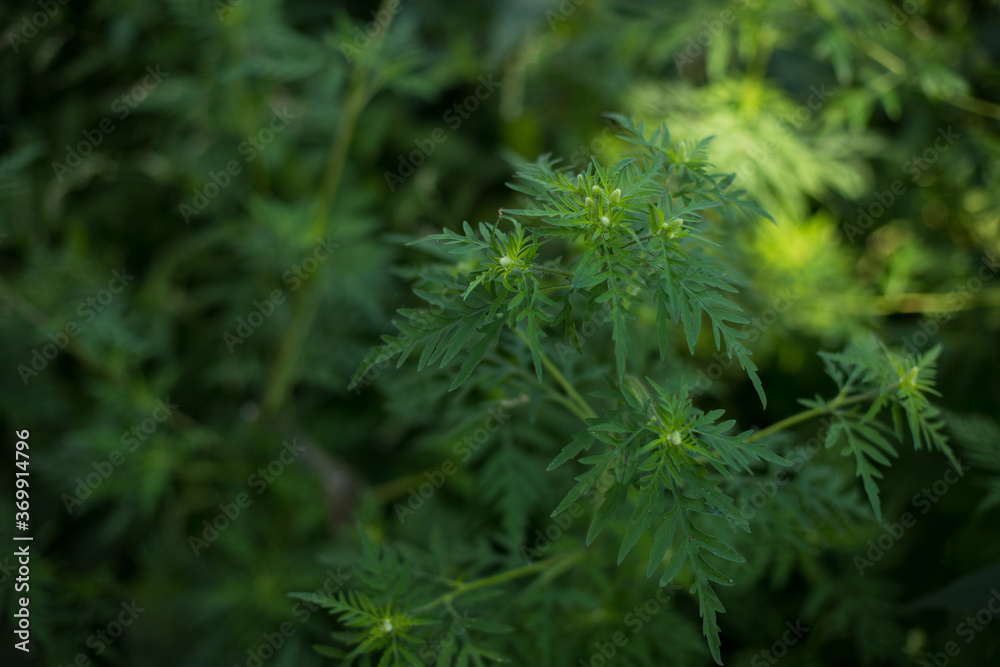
(255, 165)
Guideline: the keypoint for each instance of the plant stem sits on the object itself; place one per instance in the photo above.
(838, 402)
(498, 579)
(337, 159)
(305, 307)
(897, 66)
(585, 411)
(641, 238)
(555, 272)
(387, 491)
(914, 302)
(556, 396)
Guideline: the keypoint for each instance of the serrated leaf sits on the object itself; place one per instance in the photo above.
(581, 442)
(639, 521)
(490, 335)
(675, 564)
(613, 499)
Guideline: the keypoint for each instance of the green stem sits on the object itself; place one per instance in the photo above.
(936, 302)
(497, 579)
(556, 396)
(306, 305)
(388, 491)
(641, 238)
(555, 272)
(838, 402)
(337, 159)
(585, 411)
(897, 66)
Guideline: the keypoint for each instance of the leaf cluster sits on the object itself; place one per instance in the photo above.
(871, 373)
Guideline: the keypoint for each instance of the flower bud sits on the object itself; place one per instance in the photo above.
(682, 151)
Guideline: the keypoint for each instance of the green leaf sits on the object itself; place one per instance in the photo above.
(490, 335)
(661, 542)
(581, 442)
(613, 499)
(535, 334)
(641, 516)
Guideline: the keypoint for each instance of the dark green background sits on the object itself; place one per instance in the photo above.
(892, 76)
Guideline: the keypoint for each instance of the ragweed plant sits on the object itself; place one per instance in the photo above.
(640, 245)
